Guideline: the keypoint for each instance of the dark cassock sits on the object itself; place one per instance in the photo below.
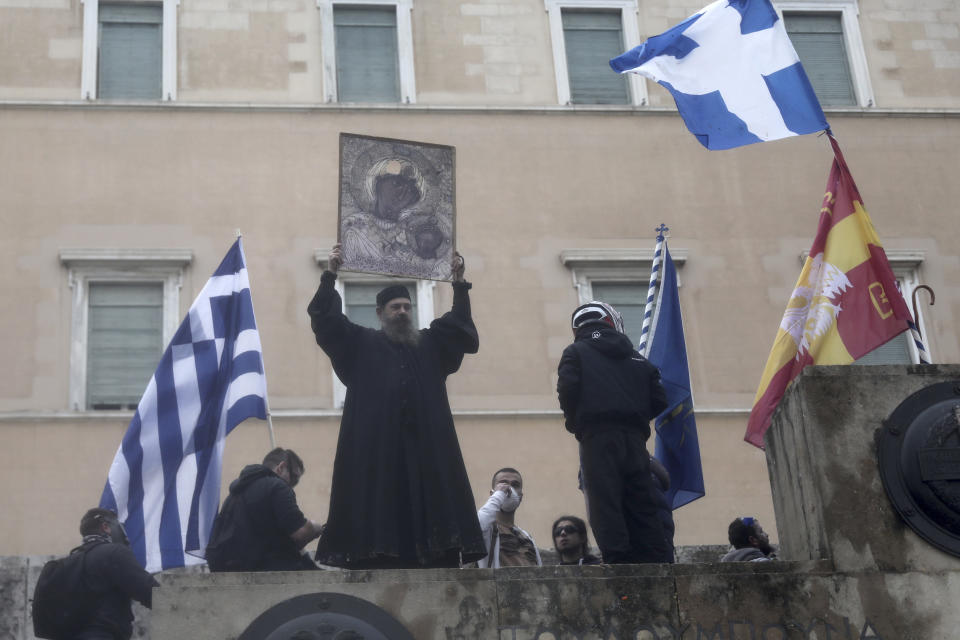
(400, 495)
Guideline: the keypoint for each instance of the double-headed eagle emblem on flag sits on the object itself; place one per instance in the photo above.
(812, 310)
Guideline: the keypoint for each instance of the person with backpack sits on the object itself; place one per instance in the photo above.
(260, 527)
(88, 594)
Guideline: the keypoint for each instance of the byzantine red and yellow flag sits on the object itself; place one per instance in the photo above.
(846, 302)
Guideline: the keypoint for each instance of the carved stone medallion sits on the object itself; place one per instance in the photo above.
(919, 456)
(325, 616)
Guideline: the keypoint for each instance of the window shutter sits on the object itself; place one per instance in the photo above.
(818, 39)
(130, 51)
(124, 342)
(366, 46)
(591, 39)
(896, 351)
(360, 300)
(629, 298)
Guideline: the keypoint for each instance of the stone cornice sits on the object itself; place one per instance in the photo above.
(80, 255)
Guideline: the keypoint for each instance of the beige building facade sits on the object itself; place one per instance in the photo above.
(137, 138)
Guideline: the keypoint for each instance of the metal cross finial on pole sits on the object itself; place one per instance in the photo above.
(652, 289)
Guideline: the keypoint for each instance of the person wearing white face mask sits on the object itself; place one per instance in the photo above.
(507, 544)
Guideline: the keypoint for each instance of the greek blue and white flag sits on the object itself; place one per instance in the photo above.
(164, 482)
(733, 73)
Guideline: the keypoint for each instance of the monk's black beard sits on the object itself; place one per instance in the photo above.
(401, 330)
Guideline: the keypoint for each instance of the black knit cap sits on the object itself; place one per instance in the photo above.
(391, 292)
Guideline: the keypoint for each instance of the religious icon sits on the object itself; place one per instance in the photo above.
(397, 210)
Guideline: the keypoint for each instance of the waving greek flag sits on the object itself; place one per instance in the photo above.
(164, 482)
(733, 73)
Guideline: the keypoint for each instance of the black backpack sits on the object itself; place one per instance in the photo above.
(62, 603)
(234, 546)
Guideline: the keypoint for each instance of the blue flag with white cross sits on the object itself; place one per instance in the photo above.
(733, 73)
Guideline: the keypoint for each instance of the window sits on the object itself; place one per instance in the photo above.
(818, 39)
(591, 39)
(366, 42)
(367, 50)
(124, 341)
(585, 35)
(630, 299)
(826, 35)
(360, 301)
(897, 351)
(620, 277)
(125, 309)
(129, 51)
(901, 350)
(130, 44)
(359, 294)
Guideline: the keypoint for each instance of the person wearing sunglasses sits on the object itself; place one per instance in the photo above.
(750, 542)
(260, 527)
(570, 541)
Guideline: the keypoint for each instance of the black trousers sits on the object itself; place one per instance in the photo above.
(287, 560)
(618, 486)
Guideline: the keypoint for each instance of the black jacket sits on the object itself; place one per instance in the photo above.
(605, 383)
(114, 574)
(261, 526)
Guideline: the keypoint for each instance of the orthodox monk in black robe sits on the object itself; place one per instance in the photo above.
(400, 496)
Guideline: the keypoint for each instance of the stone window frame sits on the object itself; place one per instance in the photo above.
(613, 265)
(856, 56)
(91, 48)
(166, 266)
(906, 264)
(906, 268)
(328, 48)
(426, 309)
(631, 38)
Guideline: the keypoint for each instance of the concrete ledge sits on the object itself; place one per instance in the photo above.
(769, 600)
(715, 601)
(18, 578)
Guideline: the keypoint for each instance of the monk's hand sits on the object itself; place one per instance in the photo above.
(336, 258)
(457, 266)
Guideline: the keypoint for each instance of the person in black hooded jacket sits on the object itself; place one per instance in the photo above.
(260, 527)
(609, 393)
